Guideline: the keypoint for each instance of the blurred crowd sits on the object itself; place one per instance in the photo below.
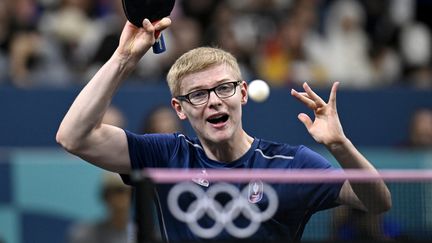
(361, 43)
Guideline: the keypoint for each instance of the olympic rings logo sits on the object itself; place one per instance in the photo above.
(223, 215)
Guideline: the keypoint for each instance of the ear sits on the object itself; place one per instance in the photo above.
(244, 93)
(175, 103)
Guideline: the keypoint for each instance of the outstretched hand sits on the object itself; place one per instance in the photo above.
(135, 41)
(326, 127)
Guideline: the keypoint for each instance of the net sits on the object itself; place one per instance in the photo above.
(260, 205)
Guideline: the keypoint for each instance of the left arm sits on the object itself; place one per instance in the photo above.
(327, 129)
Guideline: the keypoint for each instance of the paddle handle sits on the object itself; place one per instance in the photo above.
(159, 45)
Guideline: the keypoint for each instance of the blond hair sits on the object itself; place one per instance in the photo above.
(197, 60)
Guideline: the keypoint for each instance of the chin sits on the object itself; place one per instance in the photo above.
(220, 134)
(219, 137)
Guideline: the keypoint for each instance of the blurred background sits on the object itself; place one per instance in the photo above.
(380, 51)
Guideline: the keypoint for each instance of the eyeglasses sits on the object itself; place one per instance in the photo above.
(199, 97)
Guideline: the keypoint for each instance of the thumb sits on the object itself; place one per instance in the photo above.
(305, 119)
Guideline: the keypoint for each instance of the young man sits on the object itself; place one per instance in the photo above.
(208, 91)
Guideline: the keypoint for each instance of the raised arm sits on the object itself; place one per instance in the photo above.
(327, 129)
(81, 132)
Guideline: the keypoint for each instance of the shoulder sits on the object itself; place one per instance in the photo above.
(307, 158)
(271, 149)
(161, 141)
(150, 136)
(300, 155)
(156, 137)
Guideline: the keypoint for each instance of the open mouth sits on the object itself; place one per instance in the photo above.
(218, 119)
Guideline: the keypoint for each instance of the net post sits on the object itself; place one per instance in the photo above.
(144, 215)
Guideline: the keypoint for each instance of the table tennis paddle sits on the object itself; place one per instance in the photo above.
(154, 10)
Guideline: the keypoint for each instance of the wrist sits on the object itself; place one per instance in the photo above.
(338, 145)
(125, 62)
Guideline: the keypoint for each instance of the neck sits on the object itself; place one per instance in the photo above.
(230, 150)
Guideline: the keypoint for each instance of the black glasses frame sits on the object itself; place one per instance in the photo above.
(186, 97)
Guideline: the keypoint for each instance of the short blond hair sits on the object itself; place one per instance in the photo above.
(197, 60)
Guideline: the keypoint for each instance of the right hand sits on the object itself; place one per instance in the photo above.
(326, 128)
(135, 41)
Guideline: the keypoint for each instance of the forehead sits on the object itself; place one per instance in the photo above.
(207, 78)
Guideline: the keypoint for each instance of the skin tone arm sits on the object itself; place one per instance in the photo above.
(327, 129)
(81, 132)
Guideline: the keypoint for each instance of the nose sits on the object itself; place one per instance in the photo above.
(213, 98)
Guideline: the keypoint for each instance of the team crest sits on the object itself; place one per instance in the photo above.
(202, 181)
(256, 191)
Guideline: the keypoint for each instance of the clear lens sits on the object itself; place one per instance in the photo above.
(225, 90)
(200, 97)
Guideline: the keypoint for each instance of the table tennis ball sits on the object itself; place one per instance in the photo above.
(258, 90)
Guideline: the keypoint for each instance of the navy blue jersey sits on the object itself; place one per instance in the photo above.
(297, 202)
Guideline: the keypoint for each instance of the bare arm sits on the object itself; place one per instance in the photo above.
(327, 129)
(81, 132)
(374, 196)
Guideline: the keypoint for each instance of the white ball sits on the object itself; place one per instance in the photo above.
(258, 90)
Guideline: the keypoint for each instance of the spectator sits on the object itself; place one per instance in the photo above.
(114, 117)
(420, 131)
(237, 36)
(34, 61)
(200, 10)
(283, 52)
(293, 53)
(95, 46)
(64, 42)
(66, 27)
(161, 119)
(415, 41)
(386, 65)
(5, 35)
(116, 197)
(347, 45)
(113, 229)
(33, 58)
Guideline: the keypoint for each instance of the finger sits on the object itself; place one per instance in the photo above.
(304, 94)
(149, 28)
(147, 25)
(305, 119)
(313, 95)
(163, 24)
(332, 99)
(160, 25)
(305, 99)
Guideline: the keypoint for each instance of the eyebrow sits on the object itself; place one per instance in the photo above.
(200, 87)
